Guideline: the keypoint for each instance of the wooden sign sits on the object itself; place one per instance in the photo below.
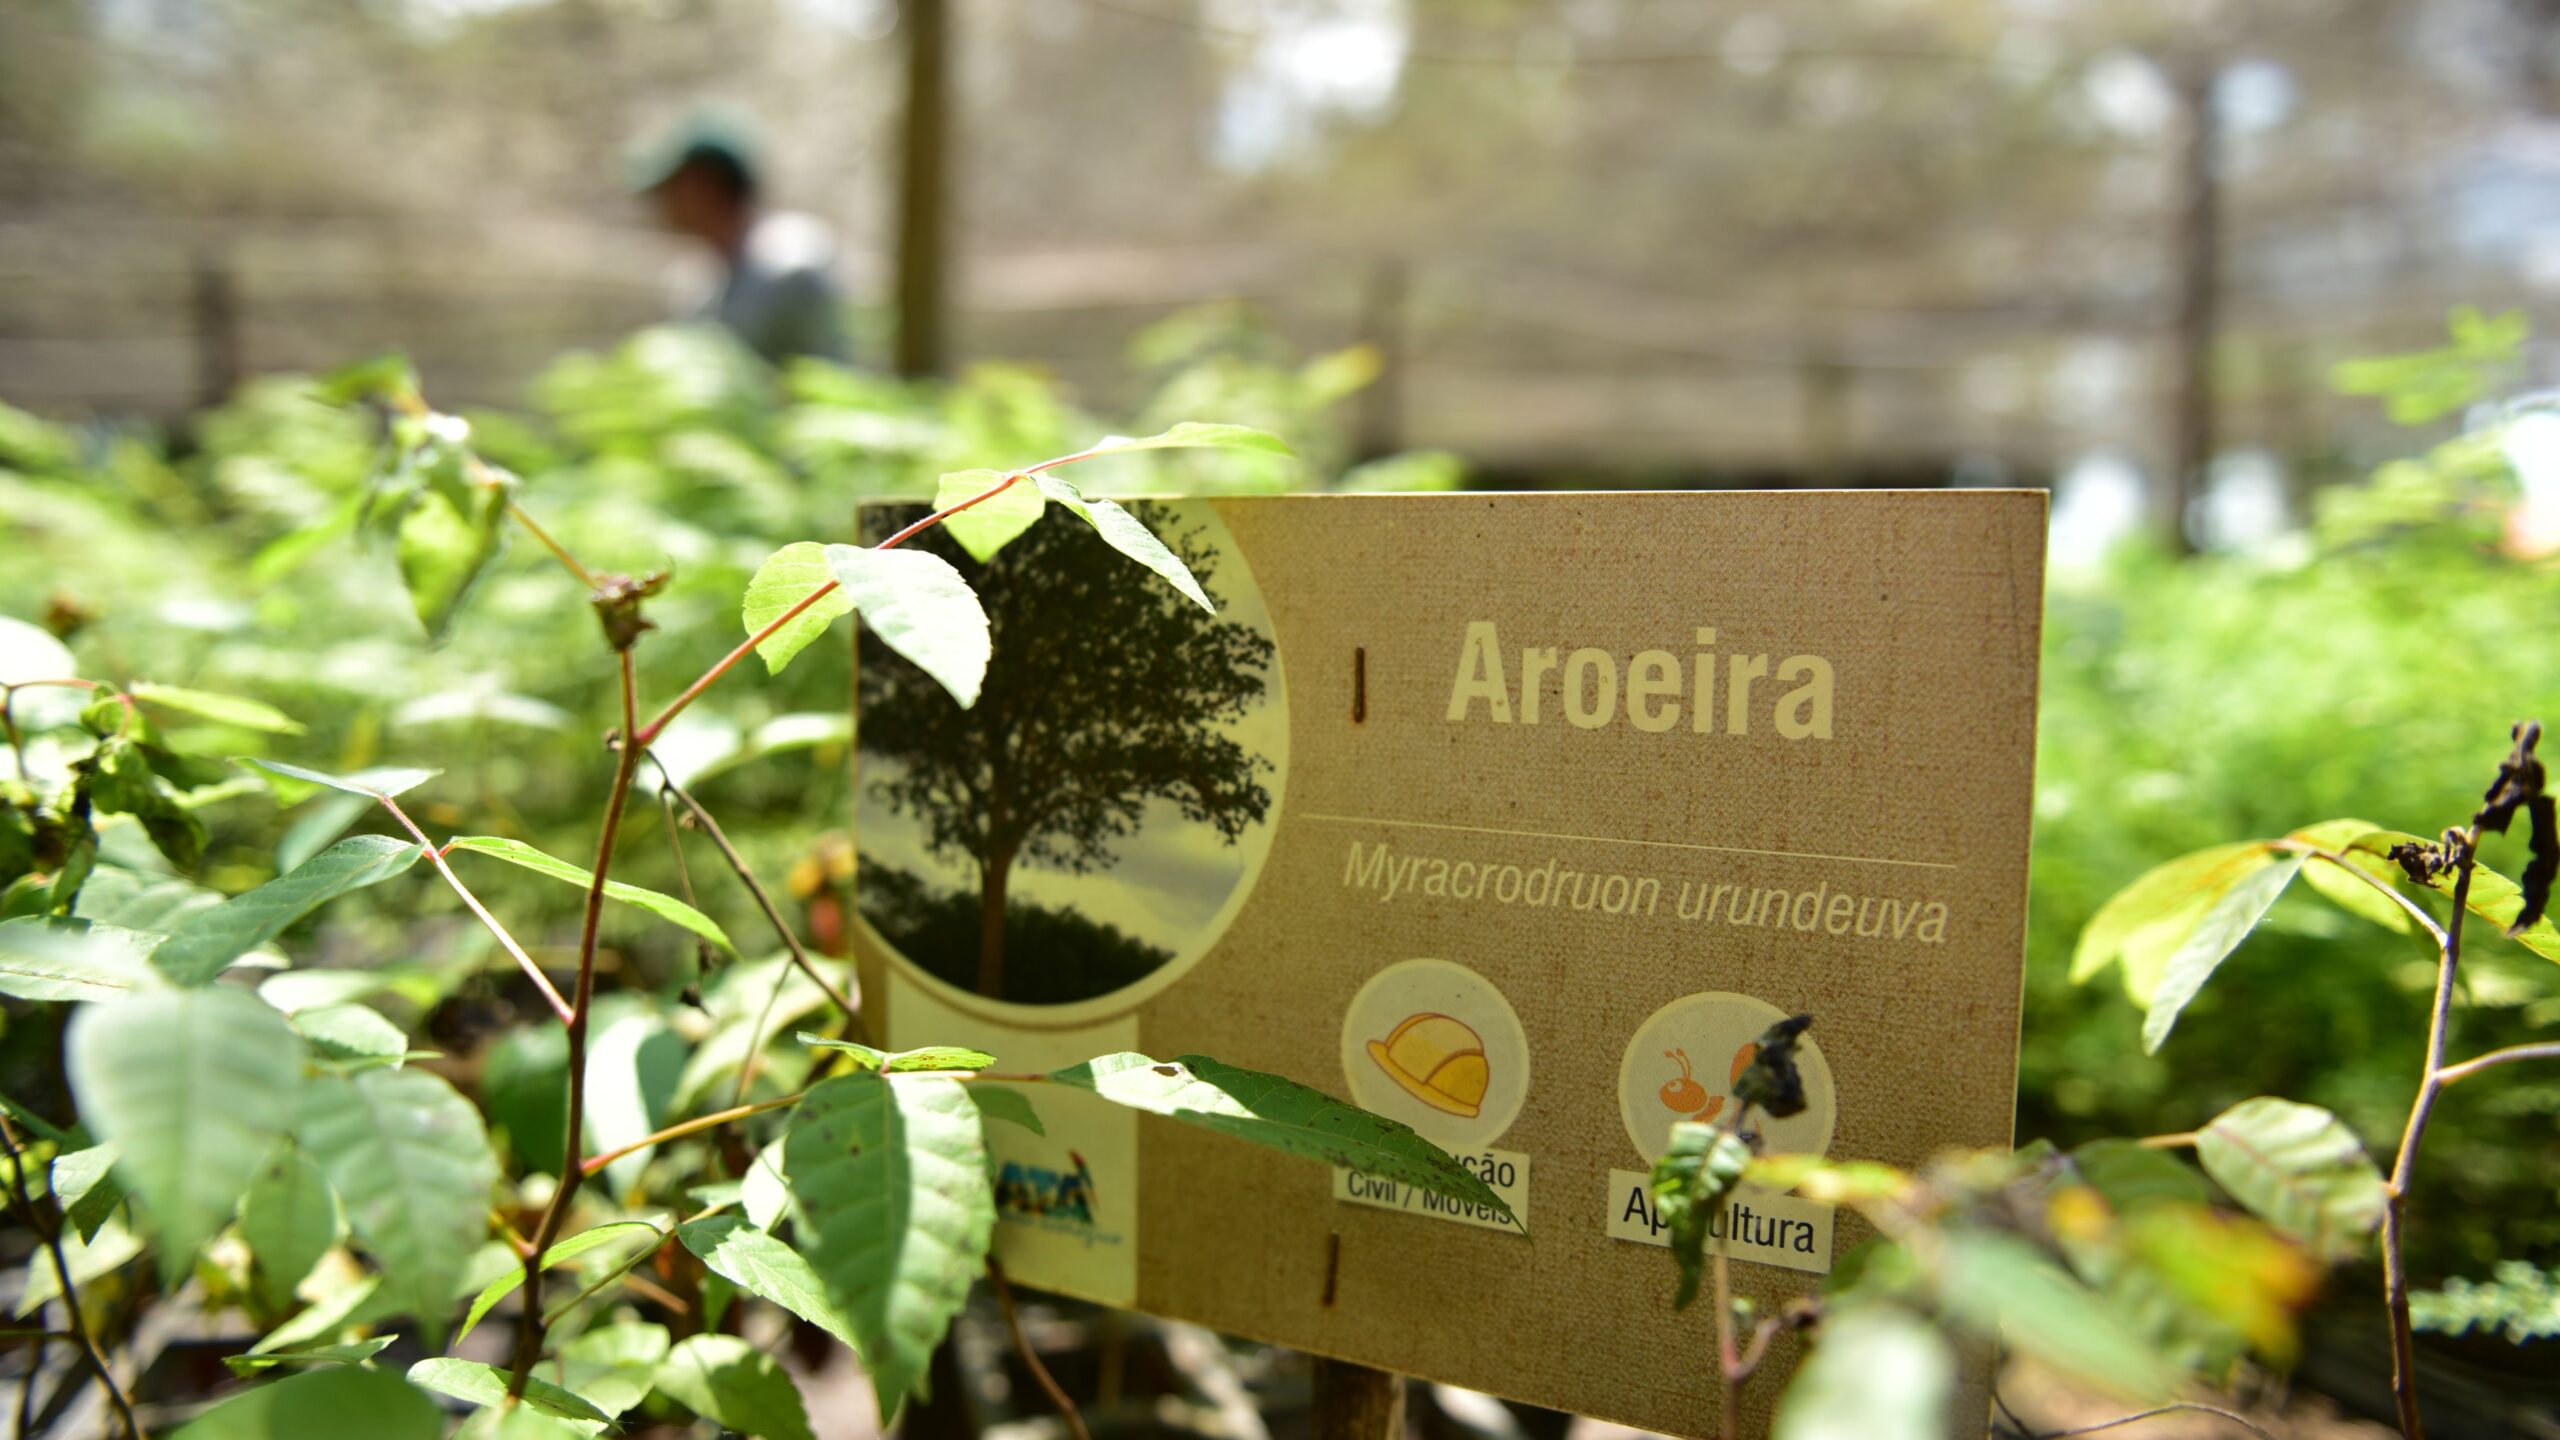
(1512, 817)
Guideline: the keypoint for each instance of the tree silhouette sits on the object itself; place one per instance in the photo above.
(1108, 690)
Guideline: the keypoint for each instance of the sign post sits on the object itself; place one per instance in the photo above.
(1515, 818)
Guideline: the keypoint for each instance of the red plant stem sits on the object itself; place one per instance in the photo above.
(729, 661)
(471, 902)
(2395, 1210)
(530, 1333)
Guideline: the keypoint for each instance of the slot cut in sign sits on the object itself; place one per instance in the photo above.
(1513, 818)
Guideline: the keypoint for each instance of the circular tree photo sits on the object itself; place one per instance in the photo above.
(1092, 822)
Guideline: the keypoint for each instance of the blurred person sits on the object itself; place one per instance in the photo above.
(776, 288)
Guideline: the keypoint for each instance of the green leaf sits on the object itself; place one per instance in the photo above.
(289, 1219)
(478, 1384)
(2300, 1169)
(2344, 890)
(2221, 929)
(351, 1033)
(614, 1367)
(42, 958)
(412, 1166)
(761, 1265)
(354, 1353)
(446, 543)
(192, 1086)
(224, 709)
(1878, 1372)
(763, 1192)
(2002, 1286)
(1690, 1183)
(1197, 435)
(623, 1231)
(633, 1069)
(1123, 533)
(113, 1248)
(313, 831)
(930, 1057)
(348, 1303)
(724, 1379)
(1282, 1115)
(382, 784)
(2132, 1176)
(2493, 897)
(206, 941)
(1003, 1102)
(665, 907)
(2150, 916)
(341, 1402)
(84, 1182)
(782, 581)
(384, 377)
(992, 523)
(889, 1178)
(920, 607)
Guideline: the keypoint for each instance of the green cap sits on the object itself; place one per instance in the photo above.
(707, 134)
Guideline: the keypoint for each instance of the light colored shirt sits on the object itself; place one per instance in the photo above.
(781, 298)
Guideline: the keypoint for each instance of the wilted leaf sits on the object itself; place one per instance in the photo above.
(727, 1380)
(920, 607)
(2300, 1169)
(665, 907)
(192, 1086)
(206, 941)
(992, 523)
(1281, 1115)
(782, 581)
(890, 1181)
(1690, 1185)
(1123, 533)
(2221, 929)
(412, 1166)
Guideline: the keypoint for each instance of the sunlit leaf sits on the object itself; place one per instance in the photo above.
(413, 1169)
(920, 607)
(727, 1380)
(931, 1057)
(205, 943)
(2002, 1286)
(2300, 1169)
(761, 1265)
(351, 1033)
(2133, 1176)
(633, 1069)
(225, 709)
(52, 959)
(84, 1182)
(111, 1249)
(446, 546)
(1281, 1115)
(192, 1086)
(354, 1353)
(478, 1384)
(289, 1219)
(665, 907)
(338, 1402)
(374, 784)
(2343, 890)
(1123, 532)
(992, 523)
(2223, 926)
(889, 1178)
(614, 1367)
(2493, 897)
(784, 580)
(1194, 434)
(618, 1232)
(1876, 1373)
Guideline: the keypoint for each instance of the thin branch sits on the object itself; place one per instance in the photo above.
(2242, 1421)
(1049, 1385)
(764, 901)
(559, 551)
(2549, 1050)
(2183, 1140)
(471, 902)
(51, 1237)
(682, 1128)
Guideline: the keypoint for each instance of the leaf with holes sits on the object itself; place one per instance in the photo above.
(192, 1086)
(665, 907)
(2300, 1169)
(920, 607)
(785, 579)
(992, 523)
(412, 1167)
(889, 1179)
(1281, 1115)
(206, 941)
(2217, 933)
(1122, 531)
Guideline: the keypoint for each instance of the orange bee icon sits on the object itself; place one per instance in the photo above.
(1685, 1096)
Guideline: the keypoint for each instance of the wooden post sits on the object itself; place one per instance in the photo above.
(1382, 326)
(922, 348)
(215, 299)
(2194, 245)
(1354, 1402)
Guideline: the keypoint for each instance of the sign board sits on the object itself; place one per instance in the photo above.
(1513, 817)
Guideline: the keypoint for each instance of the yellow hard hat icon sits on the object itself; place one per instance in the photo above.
(1438, 1060)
